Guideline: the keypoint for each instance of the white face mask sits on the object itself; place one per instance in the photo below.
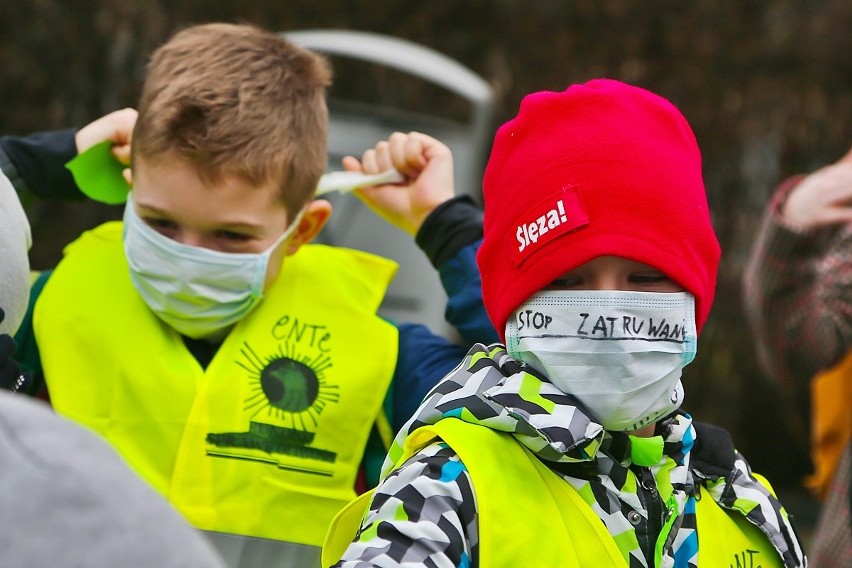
(195, 290)
(620, 353)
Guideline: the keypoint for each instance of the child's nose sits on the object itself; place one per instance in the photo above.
(190, 238)
(605, 282)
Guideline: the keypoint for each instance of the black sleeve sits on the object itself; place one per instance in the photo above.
(714, 452)
(453, 225)
(36, 163)
(12, 377)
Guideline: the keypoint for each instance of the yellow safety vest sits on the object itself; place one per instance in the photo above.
(267, 441)
(529, 516)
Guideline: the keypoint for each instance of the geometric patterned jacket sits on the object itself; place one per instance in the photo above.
(489, 388)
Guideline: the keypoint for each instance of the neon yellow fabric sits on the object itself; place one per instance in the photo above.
(525, 511)
(728, 539)
(344, 527)
(267, 441)
(529, 516)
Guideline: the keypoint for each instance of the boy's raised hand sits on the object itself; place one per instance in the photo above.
(427, 165)
(822, 198)
(115, 127)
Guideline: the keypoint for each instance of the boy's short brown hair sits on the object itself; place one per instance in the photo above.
(237, 100)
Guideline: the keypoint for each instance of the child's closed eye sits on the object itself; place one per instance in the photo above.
(565, 282)
(648, 279)
(233, 236)
(163, 226)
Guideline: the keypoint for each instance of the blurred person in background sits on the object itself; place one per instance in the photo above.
(798, 297)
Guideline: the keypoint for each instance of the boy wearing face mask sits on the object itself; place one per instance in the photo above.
(245, 375)
(567, 446)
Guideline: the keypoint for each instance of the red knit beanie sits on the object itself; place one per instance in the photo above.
(602, 168)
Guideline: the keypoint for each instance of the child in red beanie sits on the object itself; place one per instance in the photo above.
(567, 445)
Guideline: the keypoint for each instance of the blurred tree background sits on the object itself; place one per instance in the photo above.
(766, 85)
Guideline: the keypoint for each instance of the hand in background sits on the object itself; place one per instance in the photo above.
(427, 165)
(822, 198)
(116, 127)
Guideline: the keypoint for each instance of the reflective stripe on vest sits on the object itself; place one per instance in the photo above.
(251, 552)
(267, 441)
(527, 515)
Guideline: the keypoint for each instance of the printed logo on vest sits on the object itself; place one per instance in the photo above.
(559, 213)
(288, 387)
(746, 559)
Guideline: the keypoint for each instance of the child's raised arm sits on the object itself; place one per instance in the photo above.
(427, 165)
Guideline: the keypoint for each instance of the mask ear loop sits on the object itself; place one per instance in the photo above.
(289, 231)
(260, 277)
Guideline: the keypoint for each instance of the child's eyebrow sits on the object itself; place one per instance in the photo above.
(153, 209)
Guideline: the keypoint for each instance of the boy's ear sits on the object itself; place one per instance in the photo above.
(317, 212)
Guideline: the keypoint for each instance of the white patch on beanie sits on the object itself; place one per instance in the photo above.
(15, 241)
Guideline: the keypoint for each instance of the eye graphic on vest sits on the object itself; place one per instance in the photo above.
(286, 394)
(288, 385)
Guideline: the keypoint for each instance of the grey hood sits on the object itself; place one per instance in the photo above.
(68, 500)
(15, 241)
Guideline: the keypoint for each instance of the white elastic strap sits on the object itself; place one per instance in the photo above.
(345, 182)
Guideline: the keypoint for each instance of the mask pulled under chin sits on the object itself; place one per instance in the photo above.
(198, 292)
(620, 353)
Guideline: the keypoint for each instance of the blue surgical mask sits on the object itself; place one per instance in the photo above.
(197, 291)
